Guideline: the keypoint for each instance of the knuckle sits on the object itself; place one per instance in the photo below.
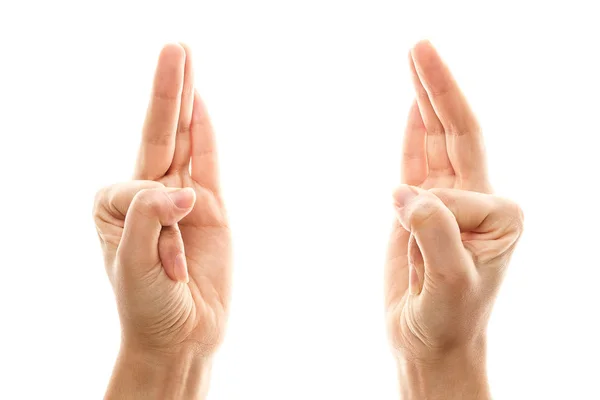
(166, 95)
(515, 215)
(161, 138)
(436, 130)
(187, 91)
(420, 91)
(425, 212)
(409, 155)
(445, 195)
(168, 206)
(461, 128)
(99, 201)
(146, 203)
(440, 89)
(183, 131)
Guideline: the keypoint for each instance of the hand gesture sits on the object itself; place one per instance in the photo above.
(452, 239)
(165, 235)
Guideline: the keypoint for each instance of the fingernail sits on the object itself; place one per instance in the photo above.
(180, 269)
(403, 195)
(183, 198)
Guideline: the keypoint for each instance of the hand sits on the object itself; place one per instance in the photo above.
(165, 236)
(450, 245)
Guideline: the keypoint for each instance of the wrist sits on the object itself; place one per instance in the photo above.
(455, 374)
(143, 374)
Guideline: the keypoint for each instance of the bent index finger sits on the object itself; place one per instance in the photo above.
(160, 127)
(479, 212)
(490, 226)
(464, 140)
(110, 208)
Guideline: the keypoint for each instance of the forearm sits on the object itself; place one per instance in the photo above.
(460, 375)
(144, 375)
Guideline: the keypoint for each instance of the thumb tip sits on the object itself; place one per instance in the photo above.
(403, 195)
(183, 198)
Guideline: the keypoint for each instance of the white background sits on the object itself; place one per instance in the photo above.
(309, 100)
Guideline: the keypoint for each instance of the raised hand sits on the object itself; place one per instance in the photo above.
(450, 244)
(166, 239)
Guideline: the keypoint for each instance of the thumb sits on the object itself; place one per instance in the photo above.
(110, 207)
(149, 212)
(434, 229)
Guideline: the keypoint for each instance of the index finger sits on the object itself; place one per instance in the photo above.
(464, 140)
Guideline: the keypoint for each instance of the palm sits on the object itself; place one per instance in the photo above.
(443, 148)
(178, 151)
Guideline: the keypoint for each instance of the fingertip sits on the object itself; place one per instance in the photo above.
(168, 81)
(423, 48)
(171, 61)
(404, 194)
(186, 48)
(423, 43)
(427, 60)
(173, 51)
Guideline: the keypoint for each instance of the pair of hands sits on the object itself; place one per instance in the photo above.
(167, 244)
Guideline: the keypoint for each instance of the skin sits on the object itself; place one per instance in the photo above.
(450, 245)
(167, 245)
